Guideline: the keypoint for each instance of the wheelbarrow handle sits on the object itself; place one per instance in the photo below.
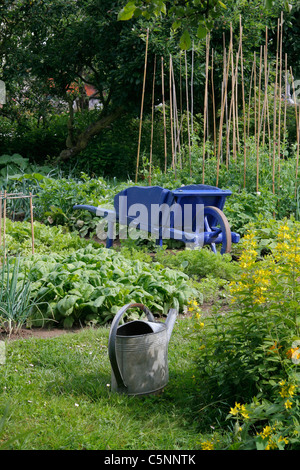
(112, 340)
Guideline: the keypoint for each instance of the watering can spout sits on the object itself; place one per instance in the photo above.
(170, 322)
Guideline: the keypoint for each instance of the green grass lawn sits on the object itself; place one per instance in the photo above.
(55, 394)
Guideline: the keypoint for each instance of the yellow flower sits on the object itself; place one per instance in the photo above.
(244, 412)
(234, 411)
(266, 432)
(292, 390)
(239, 409)
(288, 404)
(271, 445)
(283, 439)
(207, 445)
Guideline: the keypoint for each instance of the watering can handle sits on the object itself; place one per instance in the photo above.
(112, 340)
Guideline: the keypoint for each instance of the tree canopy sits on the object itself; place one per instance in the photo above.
(50, 48)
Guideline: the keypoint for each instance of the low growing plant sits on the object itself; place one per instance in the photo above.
(91, 284)
(16, 300)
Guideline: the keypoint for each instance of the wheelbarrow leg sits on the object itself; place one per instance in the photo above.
(208, 229)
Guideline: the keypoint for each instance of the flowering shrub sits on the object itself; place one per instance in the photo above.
(249, 356)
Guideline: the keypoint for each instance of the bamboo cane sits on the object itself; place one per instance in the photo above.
(222, 94)
(224, 97)
(266, 87)
(152, 122)
(222, 117)
(297, 159)
(142, 106)
(226, 110)
(297, 131)
(177, 130)
(249, 104)
(236, 102)
(0, 219)
(233, 112)
(213, 100)
(233, 97)
(258, 122)
(187, 110)
(192, 93)
(205, 105)
(164, 111)
(285, 96)
(236, 93)
(280, 97)
(274, 119)
(171, 113)
(243, 98)
(254, 91)
(180, 93)
(175, 121)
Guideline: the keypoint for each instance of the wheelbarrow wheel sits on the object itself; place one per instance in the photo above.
(221, 226)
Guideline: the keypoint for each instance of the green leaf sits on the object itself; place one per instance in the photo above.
(127, 12)
(268, 4)
(222, 5)
(201, 32)
(65, 306)
(176, 25)
(185, 40)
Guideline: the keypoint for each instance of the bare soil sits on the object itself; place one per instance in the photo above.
(26, 333)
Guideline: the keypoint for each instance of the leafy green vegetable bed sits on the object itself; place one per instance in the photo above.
(91, 284)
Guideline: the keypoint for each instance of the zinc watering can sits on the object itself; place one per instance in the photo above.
(138, 352)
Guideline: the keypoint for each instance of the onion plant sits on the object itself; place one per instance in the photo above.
(16, 300)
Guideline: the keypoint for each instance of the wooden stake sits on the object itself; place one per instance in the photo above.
(142, 106)
(164, 111)
(152, 122)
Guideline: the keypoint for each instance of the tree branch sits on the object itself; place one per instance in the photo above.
(93, 129)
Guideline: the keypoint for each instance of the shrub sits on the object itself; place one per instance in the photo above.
(247, 351)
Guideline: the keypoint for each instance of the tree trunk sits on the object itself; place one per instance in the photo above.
(93, 129)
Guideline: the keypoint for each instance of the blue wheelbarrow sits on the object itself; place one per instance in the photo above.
(192, 214)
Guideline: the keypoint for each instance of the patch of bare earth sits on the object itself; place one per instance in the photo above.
(26, 333)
